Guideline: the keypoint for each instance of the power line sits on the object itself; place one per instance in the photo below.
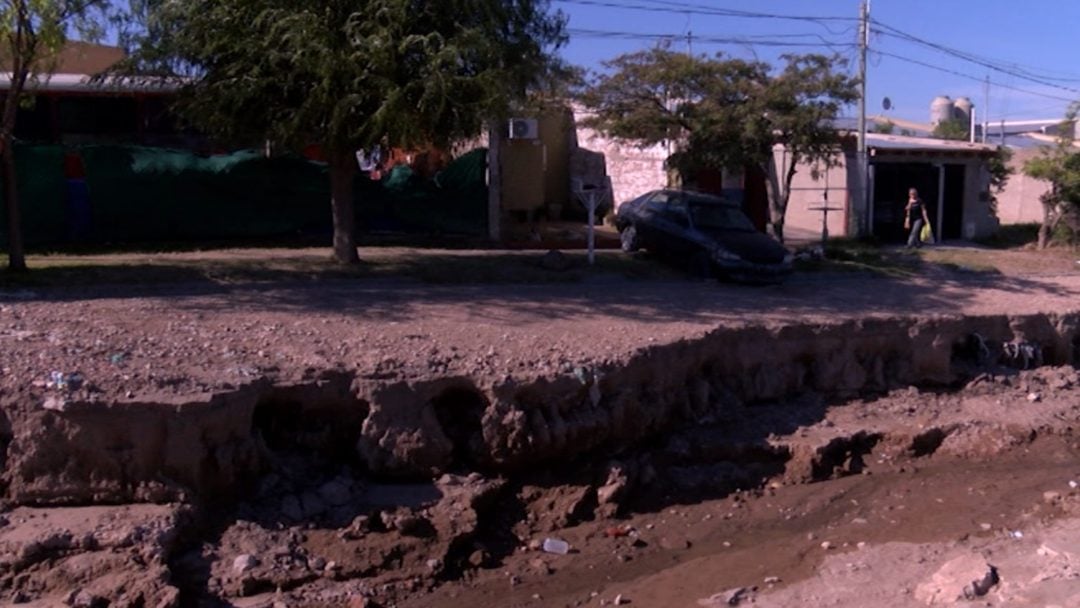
(969, 76)
(660, 6)
(890, 31)
(754, 40)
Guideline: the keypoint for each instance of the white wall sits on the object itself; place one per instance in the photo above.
(633, 170)
(802, 222)
(1019, 202)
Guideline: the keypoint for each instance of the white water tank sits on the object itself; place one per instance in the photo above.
(941, 110)
(962, 109)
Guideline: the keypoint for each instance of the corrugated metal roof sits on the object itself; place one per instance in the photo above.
(880, 141)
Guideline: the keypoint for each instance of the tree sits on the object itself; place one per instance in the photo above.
(32, 33)
(1000, 172)
(1059, 165)
(956, 129)
(725, 113)
(349, 74)
(885, 128)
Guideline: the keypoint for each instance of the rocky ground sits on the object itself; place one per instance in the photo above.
(832, 441)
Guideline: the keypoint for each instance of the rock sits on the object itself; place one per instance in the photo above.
(540, 566)
(244, 562)
(826, 545)
(335, 493)
(615, 487)
(981, 587)
(772, 580)
(434, 565)
(675, 544)
(478, 558)
(312, 505)
(1051, 496)
(85, 599)
(56, 404)
(961, 576)
(620, 600)
(317, 563)
(402, 434)
(731, 597)
(291, 508)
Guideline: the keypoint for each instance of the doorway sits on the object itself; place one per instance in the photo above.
(891, 184)
(952, 217)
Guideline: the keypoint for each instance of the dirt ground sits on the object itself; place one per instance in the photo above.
(900, 495)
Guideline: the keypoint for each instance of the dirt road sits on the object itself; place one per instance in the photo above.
(771, 485)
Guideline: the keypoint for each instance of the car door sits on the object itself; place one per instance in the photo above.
(673, 227)
(649, 214)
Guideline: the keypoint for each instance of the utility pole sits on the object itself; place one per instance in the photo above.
(690, 43)
(986, 108)
(862, 161)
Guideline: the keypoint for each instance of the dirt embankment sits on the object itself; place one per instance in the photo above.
(252, 477)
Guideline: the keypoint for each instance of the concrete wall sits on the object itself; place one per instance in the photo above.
(1019, 202)
(633, 170)
(808, 192)
(978, 221)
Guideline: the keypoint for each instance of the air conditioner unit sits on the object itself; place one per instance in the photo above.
(524, 128)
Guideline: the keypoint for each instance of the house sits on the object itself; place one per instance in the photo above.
(72, 106)
(952, 177)
(534, 175)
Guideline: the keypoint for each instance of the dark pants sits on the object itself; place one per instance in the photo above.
(913, 239)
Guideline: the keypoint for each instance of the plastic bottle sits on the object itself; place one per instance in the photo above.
(556, 546)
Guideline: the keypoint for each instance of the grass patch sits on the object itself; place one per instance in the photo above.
(233, 266)
(859, 255)
(1011, 236)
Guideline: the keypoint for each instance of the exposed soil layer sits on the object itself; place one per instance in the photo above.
(184, 454)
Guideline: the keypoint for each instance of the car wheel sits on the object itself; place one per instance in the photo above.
(700, 266)
(629, 239)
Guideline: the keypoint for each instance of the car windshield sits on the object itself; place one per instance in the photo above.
(715, 215)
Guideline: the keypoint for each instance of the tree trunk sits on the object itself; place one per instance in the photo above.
(342, 172)
(777, 202)
(1046, 229)
(16, 255)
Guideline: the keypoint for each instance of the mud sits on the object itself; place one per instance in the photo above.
(678, 471)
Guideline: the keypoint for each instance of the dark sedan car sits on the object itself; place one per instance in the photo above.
(707, 233)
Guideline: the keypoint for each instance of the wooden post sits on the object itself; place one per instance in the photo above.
(494, 162)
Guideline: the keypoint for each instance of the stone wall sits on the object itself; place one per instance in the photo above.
(633, 170)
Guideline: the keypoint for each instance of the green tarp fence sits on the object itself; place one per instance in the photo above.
(151, 194)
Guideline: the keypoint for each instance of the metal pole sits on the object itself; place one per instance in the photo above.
(864, 42)
(941, 203)
(592, 227)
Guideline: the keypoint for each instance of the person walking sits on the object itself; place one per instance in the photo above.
(915, 218)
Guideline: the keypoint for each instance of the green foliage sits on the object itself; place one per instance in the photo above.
(1059, 165)
(32, 32)
(349, 73)
(956, 129)
(885, 128)
(724, 113)
(1000, 172)
(1011, 236)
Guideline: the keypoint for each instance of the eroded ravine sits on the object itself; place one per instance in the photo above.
(359, 484)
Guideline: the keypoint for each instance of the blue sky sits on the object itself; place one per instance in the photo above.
(1033, 44)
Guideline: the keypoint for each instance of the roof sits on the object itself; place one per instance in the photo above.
(77, 68)
(881, 141)
(82, 83)
(79, 58)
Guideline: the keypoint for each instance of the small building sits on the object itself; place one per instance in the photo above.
(73, 106)
(952, 177)
(536, 171)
